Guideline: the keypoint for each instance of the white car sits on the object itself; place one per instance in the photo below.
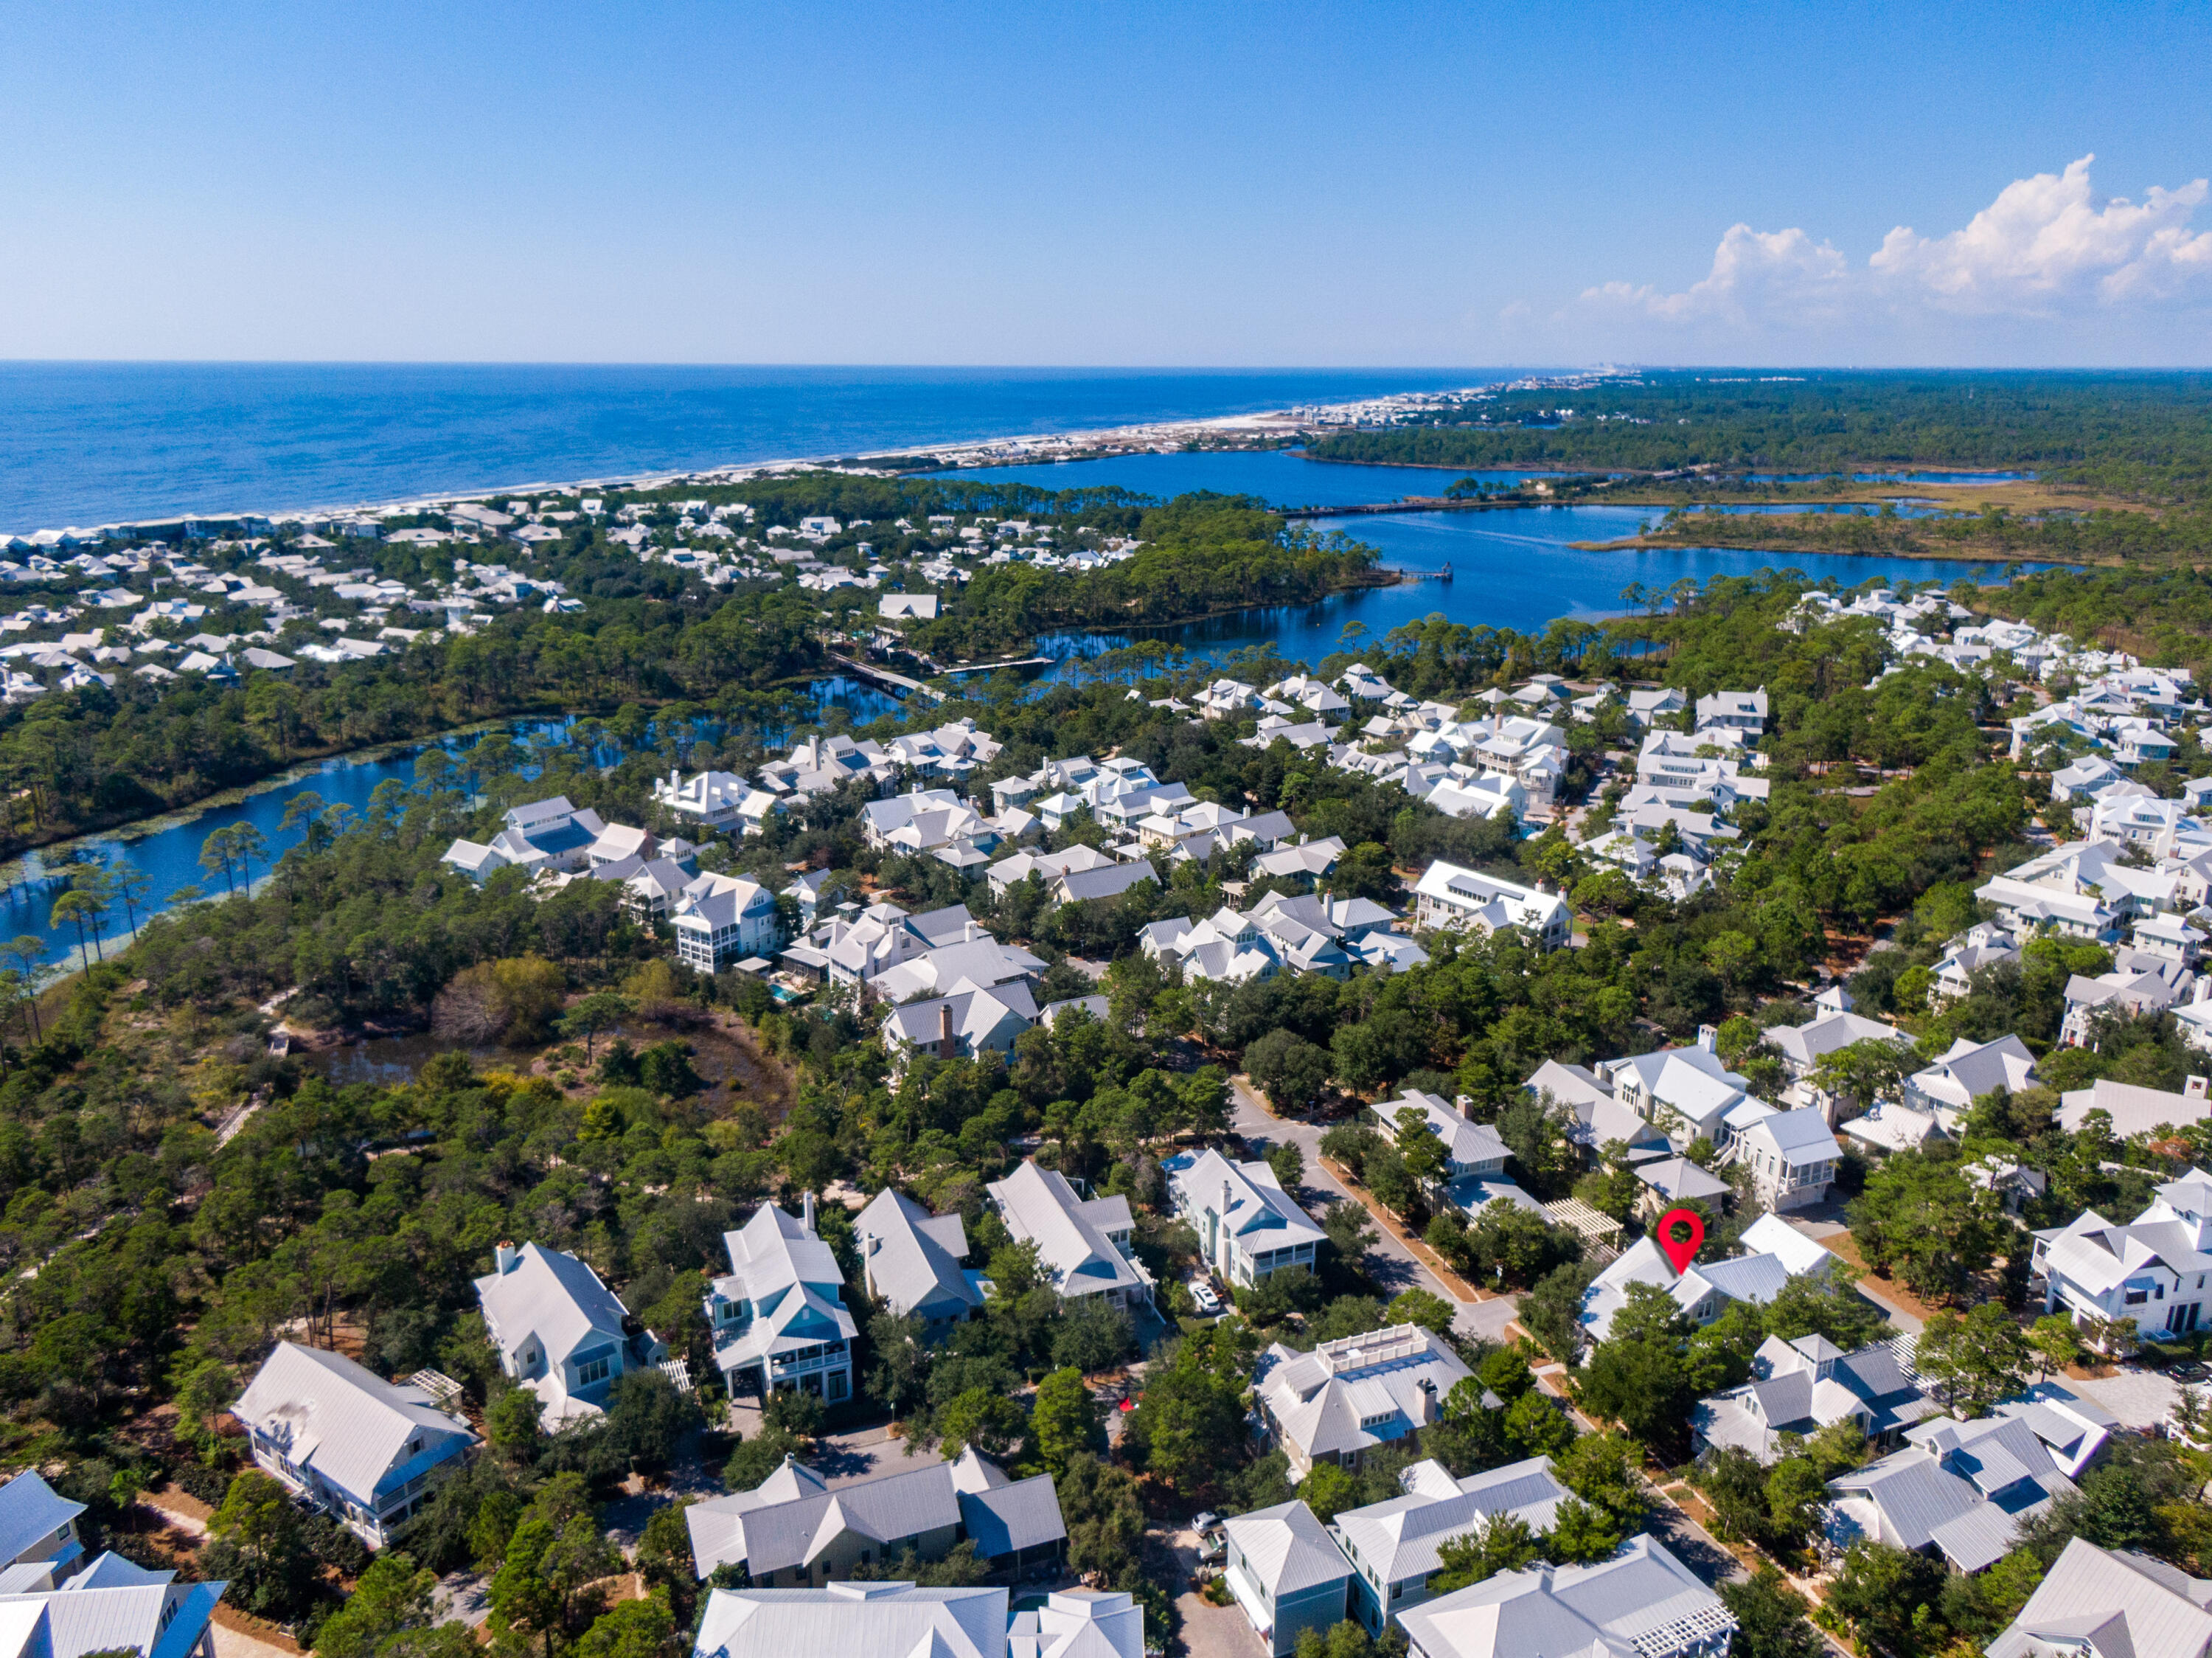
(1201, 1291)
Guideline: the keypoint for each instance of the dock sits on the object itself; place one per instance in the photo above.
(884, 676)
(1011, 662)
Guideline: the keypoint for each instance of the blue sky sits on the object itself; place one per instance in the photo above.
(1363, 184)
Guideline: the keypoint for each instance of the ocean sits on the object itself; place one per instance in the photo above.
(105, 443)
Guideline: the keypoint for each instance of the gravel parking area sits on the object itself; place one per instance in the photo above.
(1209, 1631)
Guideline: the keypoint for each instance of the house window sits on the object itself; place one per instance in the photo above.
(595, 1366)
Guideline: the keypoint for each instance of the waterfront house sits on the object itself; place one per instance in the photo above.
(548, 836)
(559, 1331)
(368, 1451)
(778, 1316)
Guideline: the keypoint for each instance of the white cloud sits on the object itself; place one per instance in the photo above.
(2046, 248)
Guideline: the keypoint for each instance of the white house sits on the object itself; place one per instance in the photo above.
(1249, 1227)
(1395, 1545)
(1803, 1046)
(1642, 1601)
(1959, 1490)
(791, 1531)
(559, 1331)
(858, 1619)
(720, 919)
(961, 1026)
(1774, 1252)
(1345, 1397)
(1734, 710)
(1447, 896)
(778, 1316)
(1798, 1387)
(1083, 1245)
(911, 1261)
(1947, 1089)
(1792, 1157)
(2153, 1270)
(113, 1606)
(1469, 1147)
(2104, 1603)
(551, 836)
(714, 800)
(371, 1452)
(1688, 1093)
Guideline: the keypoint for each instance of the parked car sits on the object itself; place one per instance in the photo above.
(1202, 1293)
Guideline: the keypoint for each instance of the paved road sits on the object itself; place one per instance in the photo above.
(1390, 1261)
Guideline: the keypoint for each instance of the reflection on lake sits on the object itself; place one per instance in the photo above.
(1282, 478)
(1511, 567)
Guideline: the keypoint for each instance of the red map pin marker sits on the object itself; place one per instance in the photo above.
(1684, 1249)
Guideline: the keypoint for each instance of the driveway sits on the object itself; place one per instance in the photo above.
(1208, 1632)
(1389, 1261)
(2140, 1398)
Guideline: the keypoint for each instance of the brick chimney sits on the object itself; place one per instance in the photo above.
(946, 1047)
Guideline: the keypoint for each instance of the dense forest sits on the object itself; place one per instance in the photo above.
(2140, 435)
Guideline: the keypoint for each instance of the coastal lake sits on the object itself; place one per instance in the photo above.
(1511, 567)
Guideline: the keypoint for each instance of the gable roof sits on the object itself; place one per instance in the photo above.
(1400, 1537)
(348, 1424)
(1286, 1549)
(791, 1279)
(912, 1258)
(863, 1619)
(794, 1516)
(29, 1510)
(552, 1295)
(2125, 1605)
(1040, 1207)
(1259, 1214)
(1642, 1603)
